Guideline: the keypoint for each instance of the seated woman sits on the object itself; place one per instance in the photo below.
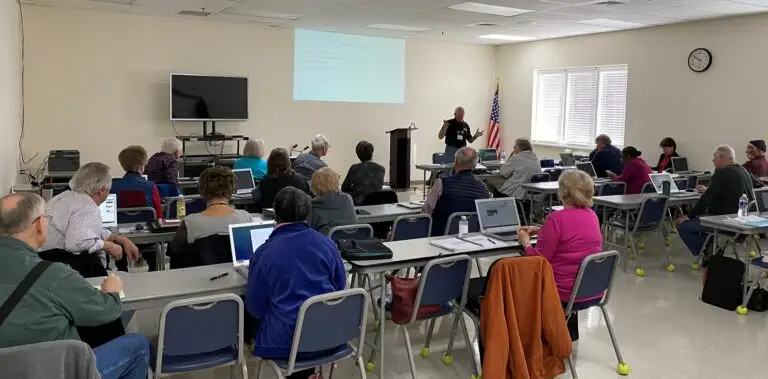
(253, 158)
(365, 177)
(279, 175)
(330, 208)
(133, 159)
(635, 171)
(216, 186)
(756, 164)
(568, 236)
(294, 264)
(668, 151)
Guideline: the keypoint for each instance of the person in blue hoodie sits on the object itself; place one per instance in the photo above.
(606, 157)
(295, 263)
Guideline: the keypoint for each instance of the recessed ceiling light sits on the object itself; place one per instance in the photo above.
(505, 37)
(258, 13)
(402, 28)
(616, 24)
(488, 9)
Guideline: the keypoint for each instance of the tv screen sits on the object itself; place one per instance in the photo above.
(208, 98)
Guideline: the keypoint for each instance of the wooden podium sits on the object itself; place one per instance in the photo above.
(400, 158)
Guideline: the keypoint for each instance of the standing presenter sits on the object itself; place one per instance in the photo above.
(457, 133)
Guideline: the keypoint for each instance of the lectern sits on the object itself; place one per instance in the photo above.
(400, 158)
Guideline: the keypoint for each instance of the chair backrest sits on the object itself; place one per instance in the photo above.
(452, 226)
(380, 197)
(681, 183)
(213, 249)
(595, 277)
(693, 180)
(648, 188)
(136, 215)
(25, 361)
(351, 232)
(131, 199)
(441, 158)
(194, 204)
(547, 163)
(554, 174)
(167, 190)
(443, 280)
(200, 325)
(651, 213)
(411, 227)
(330, 320)
(612, 188)
(540, 178)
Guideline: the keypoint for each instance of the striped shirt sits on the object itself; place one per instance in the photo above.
(75, 225)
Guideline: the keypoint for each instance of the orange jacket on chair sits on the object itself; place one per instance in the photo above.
(522, 322)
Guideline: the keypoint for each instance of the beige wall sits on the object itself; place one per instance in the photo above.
(10, 93)
(727, 104)
(99, 81)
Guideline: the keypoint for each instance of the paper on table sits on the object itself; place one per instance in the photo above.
(98, 287)
(485, 241)
(453, 244)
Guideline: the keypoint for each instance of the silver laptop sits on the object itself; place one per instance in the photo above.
(567, 159)
(245, 183)
(590, 170)
(488, 155)
(658, 183)
(244, 239)
(498, 218)
(108, 211)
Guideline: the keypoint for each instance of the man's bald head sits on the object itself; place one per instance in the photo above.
(18, 212)
(466, 159)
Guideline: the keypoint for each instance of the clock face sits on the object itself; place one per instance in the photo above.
(699, 60)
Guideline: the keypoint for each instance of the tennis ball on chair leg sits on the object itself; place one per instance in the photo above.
(639, 272)
(742, 310)
(425, 352)
(622, 369)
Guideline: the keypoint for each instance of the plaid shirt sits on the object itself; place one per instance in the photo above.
(162, 168)
(75, 225)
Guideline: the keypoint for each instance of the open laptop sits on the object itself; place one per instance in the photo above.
(659, 179)
(245, 183)
(488, 155)
(761, 199)
(109, 212)
(567, 159)
(680, 166)
(590, 170)
(498, 218)
(244, 239)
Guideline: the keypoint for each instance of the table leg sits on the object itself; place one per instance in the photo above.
(159, 257)
(424, 188)
(530, 211)
(382, 323)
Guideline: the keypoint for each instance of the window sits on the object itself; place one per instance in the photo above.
(573, 106)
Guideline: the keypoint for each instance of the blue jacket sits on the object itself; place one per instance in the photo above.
(609, 158)
(459, 193)
(294, 264)
(133, 181)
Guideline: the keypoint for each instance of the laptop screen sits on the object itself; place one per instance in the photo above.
(679, 164)
(587, 167)
(659, 179)
(109, 211)
(761, 200)
(244, 239)
(497, 213)
(567, 159)
(244, 180)
(488, 155)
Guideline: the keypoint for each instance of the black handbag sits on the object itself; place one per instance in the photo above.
(722, 283)
(363, 249)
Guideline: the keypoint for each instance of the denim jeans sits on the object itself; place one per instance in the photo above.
(693, 234)
(125, 357)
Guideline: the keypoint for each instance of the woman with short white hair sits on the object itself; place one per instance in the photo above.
(253, 158)
(163, 167)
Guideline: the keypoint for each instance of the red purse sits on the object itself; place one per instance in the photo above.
(403, 298)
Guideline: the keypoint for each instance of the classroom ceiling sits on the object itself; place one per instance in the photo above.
(437, 19)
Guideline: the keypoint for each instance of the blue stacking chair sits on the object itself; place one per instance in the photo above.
(346, 232)
(649, 218)
(325, 322)
(443, 281)
(200, 333)
(138, 215)
(194, 204)
(411, 227)
(608, 189)
(648, 188)
(595, 278)
(452, 226)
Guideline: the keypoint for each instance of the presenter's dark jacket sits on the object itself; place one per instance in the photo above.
(457, 133)
(725, 189)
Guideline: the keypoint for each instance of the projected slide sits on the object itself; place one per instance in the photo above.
(343, 67)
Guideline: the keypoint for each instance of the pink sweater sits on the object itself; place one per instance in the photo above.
(567, 237)
(635, 175)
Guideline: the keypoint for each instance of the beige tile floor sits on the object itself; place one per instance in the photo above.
(663, 329)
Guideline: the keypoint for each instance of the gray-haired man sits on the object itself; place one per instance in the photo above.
(307, 163)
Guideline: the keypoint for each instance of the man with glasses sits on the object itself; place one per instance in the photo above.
(44, 301)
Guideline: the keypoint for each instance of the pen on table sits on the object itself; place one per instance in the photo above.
(223, 274)
(491, 241)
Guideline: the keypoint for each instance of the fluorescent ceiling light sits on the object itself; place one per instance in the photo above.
(258, 13)
(403, 28)
(488, 9)
(505, 37)
(616, 24)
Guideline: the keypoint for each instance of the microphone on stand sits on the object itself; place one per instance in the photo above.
(305, 148)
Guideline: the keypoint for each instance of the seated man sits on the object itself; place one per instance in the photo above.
(455, 193)
(133, 159)
(519, 169)
(365, 177)
(729, 182)
(58, 300)
(76, 236)
(163, 167)
(606, 157)
(307, 163)
(294, 264)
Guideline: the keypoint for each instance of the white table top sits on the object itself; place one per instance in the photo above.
(634, 201)
(384, 213)
(543, 187)
(434, 167)
(724, 222)
(156, 289)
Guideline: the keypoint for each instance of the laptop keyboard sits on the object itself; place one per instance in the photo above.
(504, 234)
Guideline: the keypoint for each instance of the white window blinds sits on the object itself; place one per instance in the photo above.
(573, 106)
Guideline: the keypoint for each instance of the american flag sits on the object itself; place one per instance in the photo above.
(494, 128)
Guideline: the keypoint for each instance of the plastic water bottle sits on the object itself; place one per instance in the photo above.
(463, 226)
(503, 156)
(181, 208)
(743, 203)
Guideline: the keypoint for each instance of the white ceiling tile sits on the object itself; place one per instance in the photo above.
(83, 4)
(245, 18)
(727, 7)
(211, 6)
(759, 3)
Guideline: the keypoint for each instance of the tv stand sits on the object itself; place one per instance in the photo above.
(213, 129)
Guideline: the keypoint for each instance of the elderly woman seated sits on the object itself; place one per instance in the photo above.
(330, 207)
(280, 174)
(253, 158)
(216, 186)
